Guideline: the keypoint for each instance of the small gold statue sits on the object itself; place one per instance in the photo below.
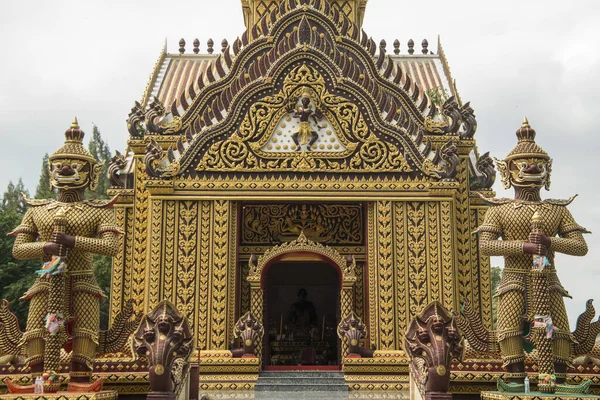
(304, 112)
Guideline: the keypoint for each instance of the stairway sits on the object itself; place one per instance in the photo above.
(317, 382)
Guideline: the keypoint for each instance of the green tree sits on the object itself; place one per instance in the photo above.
(44, 189)
(496, 275)
(13, 198)
(16, 276)
(99, 149)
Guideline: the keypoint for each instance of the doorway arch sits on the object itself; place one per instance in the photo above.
(300, 248)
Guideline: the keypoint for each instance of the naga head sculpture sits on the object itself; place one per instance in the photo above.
(72, 167)
(165, 338)
(527, 165)
(431, 341)
(250, 331)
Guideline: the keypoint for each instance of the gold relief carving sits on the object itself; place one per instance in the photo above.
(244, 287)
(385, 278)
(116, 284)
(154, 267)
(417, 261)
(401, 269)
(347, 302)
(463, 236)
(219, 300)
(326, 186)
(138, 278)
(233, 246)
(482, 286)
(372, 273)
(302, 244)
(359, 291)
(203, 281)
(433, 263)
(447, 255)
(169, 251)
(363, 153)
(256, 308)
(485, 279)
(337, 224)
(186, 260)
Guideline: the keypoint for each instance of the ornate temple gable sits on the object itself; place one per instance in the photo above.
(224, 127)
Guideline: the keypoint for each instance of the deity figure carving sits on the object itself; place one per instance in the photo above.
(304, 112)
(532, 231)
(65, 299)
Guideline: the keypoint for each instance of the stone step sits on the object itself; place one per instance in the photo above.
(278, 387)
(284, 395)
(301, 380)
(302, 374)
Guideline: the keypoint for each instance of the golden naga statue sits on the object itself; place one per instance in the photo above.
(530, 293)
(64, 233)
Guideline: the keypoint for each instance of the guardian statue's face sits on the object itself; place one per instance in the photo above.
(72, 173)
(530, 172)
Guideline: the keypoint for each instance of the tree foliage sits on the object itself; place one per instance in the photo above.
(44, 189)
(496, 275)
(16, 276)
(99, 149)
(13, 197)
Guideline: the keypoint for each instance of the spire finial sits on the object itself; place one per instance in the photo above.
(525, 123)
(75, 124)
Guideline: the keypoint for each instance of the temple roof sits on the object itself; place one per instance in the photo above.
(181, 74)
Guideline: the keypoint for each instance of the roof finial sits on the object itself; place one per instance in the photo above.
(210, 45)
(396, 46)
(181, 46)
(382, 45)
(75, 124)
(411, 46)
(424, 44)
(224, 45)
(525, 123)
(196, 46)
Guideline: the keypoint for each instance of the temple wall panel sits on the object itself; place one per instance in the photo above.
(411, 263)
(138, 273)
(484, 286)
(120, 289)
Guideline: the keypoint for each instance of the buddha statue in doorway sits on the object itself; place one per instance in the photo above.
(303, 316)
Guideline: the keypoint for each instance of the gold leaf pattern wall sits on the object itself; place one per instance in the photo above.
(410, 264)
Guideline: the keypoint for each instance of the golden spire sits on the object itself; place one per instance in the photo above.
(75, 124)
(525, 123)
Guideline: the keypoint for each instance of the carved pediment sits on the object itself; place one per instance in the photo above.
(362, 118)
(346, 143)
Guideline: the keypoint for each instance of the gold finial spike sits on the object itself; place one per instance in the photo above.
(525, 123)
(75, 124)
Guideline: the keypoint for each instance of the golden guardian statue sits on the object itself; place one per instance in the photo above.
(64, 300)
(530, 294)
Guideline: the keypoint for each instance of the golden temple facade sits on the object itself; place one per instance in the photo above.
(301, 155)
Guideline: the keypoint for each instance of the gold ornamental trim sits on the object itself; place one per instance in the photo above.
(302, 244)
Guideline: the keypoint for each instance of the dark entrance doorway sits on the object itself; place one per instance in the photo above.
(302, 312)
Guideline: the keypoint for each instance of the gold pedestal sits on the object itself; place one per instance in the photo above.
(493, 395)
(101, 395)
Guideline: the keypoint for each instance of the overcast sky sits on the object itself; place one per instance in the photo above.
(510, 59)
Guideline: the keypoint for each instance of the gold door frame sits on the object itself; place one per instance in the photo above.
(346, 267)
